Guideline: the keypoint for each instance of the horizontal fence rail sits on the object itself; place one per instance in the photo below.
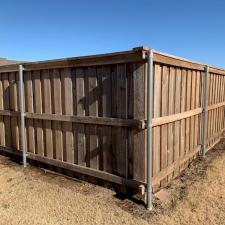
(89, 114)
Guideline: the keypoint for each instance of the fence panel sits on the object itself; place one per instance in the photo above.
(178, 110)
(88, 114)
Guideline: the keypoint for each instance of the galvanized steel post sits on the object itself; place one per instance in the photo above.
(205, 113)
(22, 116)
(149, 128)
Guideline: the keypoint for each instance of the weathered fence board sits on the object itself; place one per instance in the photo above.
(88, 114)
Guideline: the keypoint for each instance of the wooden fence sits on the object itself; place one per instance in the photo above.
(179, 93)
(88, 114)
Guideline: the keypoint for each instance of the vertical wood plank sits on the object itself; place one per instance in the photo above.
(197, 105)
(177, 134)
(121, 113)
(139, 82)
(222, 100)
(156, 114)
(47, 108)
(183, 108)
(171, 100)
(114, 130)
(29, 107)
(193, 98)
(217, 101)
(74, 125)
(79, 129)
(6, 101)
(212, 111)
(39, 139)
(130, 113)
(67, 103)
(164, 112)
(201, 94)
(209, 113)
(57, 109)
(188, 107)
(2, 125)
(14, 107)
(92, 110)
(104, 109)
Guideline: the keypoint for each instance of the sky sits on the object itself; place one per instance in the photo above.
(35, 30)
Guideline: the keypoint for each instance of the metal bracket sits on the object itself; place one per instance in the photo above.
(142, 189)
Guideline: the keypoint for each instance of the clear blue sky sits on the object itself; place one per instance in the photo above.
(47, 29)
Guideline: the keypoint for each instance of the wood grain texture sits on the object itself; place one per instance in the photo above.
(67, 109)
(13, 87)
(188, 107)
(156, 114)
(177, 135)
(6, 102)
(183, 109)
(104, 110)
(88, 114)
(47, 108)
(171, 106)
(57, 109)
(80, 144)
(39, 138)
(29, 107)
(92, 110)
(2, 125)
(164, 112)
(139, 137)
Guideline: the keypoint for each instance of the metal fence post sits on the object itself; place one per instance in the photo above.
(205, 113)
(22, 116)
(149, 128)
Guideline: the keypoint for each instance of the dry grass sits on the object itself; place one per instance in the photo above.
(199, 195)
(29, 196)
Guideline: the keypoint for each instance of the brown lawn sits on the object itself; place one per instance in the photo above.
(30, 196)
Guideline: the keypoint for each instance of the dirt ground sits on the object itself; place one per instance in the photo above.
(30, 196)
